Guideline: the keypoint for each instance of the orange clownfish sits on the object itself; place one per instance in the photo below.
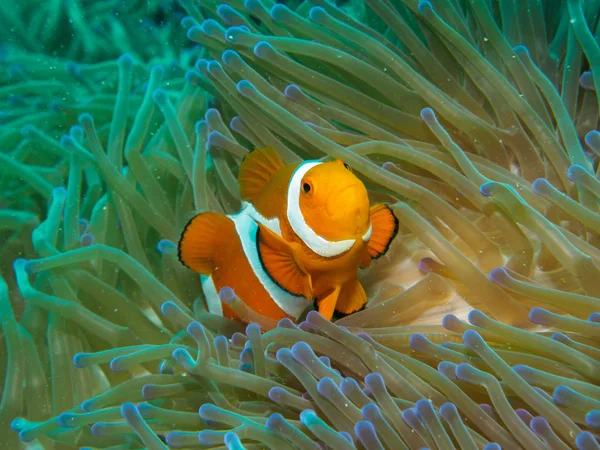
(303, 232)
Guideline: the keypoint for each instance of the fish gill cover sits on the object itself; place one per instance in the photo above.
(475, 119)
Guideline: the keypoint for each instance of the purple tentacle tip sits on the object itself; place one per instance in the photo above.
(538, 315)
(524, 415)
(208, 411)
(145, 410)
(575, 172)
(411, 417)
(366, 433)
(114, 364)
(263, 49)
(191, 76)
(488, 409)
(449, 321)
(167, 307)
(592, 139)
(209, 26)
(347, 436)
(593, 418)
(448, 369)
(594, 317)
(586, 441)
(214, 68)
(232, 441)
(86, 118)
(276, 394)
(215, 139)
(226, 294)
(521, 50)
(371, 412)
(562, 393)
(428, 114)
(326, 386)
(160, 96)
(275, 421)
(424, 407)
(87, 239)
(125, 60)
(476, 317)
(147, 391)
(279, 12)
(486, 189)
(317, 14)
(79, 360)
(286, 323)
(466, 372)
(325, 360)
(230, 57)
(586, 81)
(472, 338)
(245, 88)
(499, 275)
(293, 92)
(539, 425)
(87, 406)
(375, 382)
(129, 411)
(166, 247)
(448, 411)
(64, 420)
(419, 342)
(492, 446)
(425, 7)
(561, 337)
(541, 186)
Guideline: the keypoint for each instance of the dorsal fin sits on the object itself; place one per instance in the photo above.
(256, 170)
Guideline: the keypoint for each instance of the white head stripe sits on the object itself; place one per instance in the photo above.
(367, 236)
(316, 243)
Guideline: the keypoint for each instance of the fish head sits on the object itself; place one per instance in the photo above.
(332, 204)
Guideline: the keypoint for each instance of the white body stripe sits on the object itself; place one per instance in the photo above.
(316, 243)
(271, 224)
(213, 302)
(246, 227)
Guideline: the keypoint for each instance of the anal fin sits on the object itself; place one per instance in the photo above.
(326, 304)
(352, 297)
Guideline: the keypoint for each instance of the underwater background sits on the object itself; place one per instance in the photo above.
(475, 119)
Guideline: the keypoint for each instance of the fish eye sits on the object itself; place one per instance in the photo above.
(347, 167)
(306, 187)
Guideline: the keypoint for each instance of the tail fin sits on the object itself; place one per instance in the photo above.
(201, 239)
(256, 170)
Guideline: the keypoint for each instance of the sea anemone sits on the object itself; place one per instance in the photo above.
(475, 120)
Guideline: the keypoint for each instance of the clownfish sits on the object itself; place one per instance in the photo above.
(299, 239)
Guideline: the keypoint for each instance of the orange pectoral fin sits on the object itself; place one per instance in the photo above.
(327, 304)
(201, 238)
(385, 228)
(352, 297)
(256, 170)
(279, 260)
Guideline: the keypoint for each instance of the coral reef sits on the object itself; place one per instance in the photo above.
(475, 119)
